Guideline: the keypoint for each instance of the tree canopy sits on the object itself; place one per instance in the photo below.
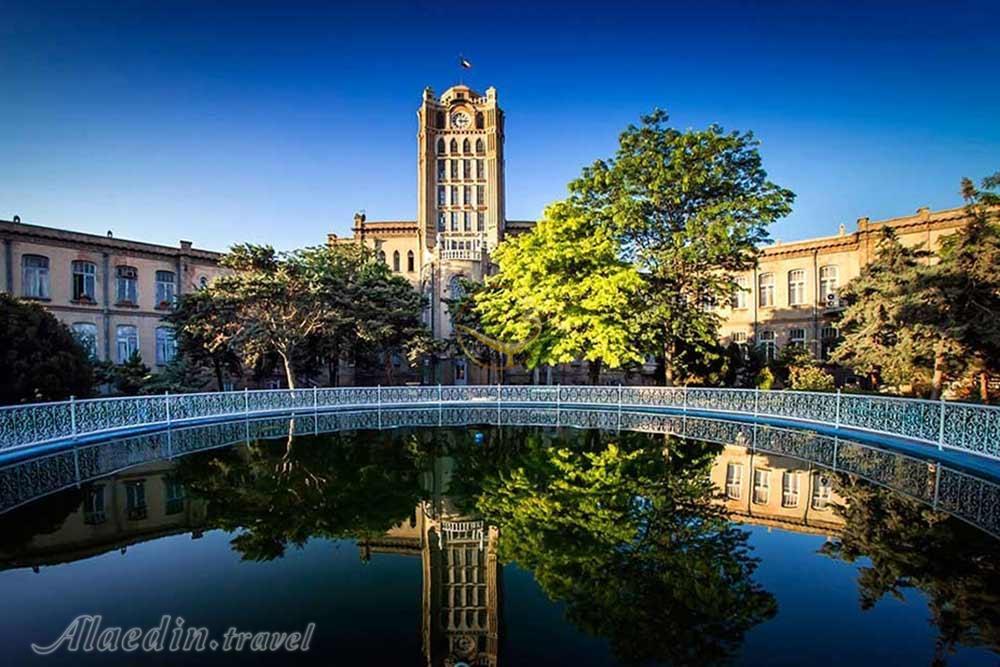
(40, 359)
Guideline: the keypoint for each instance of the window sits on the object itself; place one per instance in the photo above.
(739, 299)
(127, 282)
(135, 500)
(797, 337)
(454, 221)
(466, 168)
(739, 338)
(442, 220)
(440, 146)
(821, 491)
(84, 282)
(454, 169)
(453, 146)
(466, 146)
(395, 261)
(455, 287)
(93, 506)
(466, 221)
(166, 288)
(442, 198)
(828, 277)
(789, 489)
(796, 287)
(466, 194)
(480, 169)
(439, 122)
(828, 341)
(410, 264)
(174, 495)
(480, 221)
(479, 122)
(765, 290)
(767, 344)
(480, 147)
(442, 169)
(381, 256)
(480, 195)
(734, 480)
(86, 335)
(127, 342)
(203, 282)
(761, 486)
(454, 196)
(166, 347)
(35, 276)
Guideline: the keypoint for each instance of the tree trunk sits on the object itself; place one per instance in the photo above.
(218, 373)
(937, 382)
(289, 375)
(595, 371)
(668, 362)
(984, 387)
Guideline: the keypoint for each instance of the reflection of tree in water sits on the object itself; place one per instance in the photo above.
(624, 531)
(279, 494)
(46, 515)
(912, 546)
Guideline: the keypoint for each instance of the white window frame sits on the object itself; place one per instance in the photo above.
(829, 281)
(734, 480)
(126, 341)
(126, 284)
(166, 290)
(761, 486)
(87, 272)
(797, 287)
(86, 335)
(765, 290)
(790, 485)
(35, 276)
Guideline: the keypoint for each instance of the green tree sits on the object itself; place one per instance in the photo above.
(40, 360)
(879, 338)
(130, 377)
(276, 306)
(564, 289)
(689, 209)
(960, 296)
(201, 320)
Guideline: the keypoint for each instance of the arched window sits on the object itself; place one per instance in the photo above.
(166, 347)
(439, 120)
(410, 263)
(455, 287)
(86, 335)
(480, 147)
(35, 276)
(466, 146)
(381, 256)
(440, 146)
(479, 120)
(126, 342)
(395, 261)
(454, 145)
(84, 282)
(828, 285)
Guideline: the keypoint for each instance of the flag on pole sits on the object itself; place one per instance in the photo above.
(463, 63)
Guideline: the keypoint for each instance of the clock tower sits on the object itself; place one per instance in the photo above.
(460, 193)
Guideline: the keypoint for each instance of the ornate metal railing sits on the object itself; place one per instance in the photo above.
(946, 424)
(967, 496)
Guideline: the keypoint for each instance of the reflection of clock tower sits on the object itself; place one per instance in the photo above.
(460, 193)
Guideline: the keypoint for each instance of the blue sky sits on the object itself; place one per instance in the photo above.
(273, 123)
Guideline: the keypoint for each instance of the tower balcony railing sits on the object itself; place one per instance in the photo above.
(467, 254)
(953, 425)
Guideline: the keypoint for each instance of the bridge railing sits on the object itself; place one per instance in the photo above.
(946, 424)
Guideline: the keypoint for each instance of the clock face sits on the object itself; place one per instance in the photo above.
(460, 120)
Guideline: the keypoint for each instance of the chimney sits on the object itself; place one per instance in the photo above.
(110, 235)
(185, 245)
(842, 231)
(17, 219)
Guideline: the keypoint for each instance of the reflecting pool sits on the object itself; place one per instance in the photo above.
(442, 538)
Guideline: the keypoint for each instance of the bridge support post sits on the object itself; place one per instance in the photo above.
(837, 421)
(941, 426)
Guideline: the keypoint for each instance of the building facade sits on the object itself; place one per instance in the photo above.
(111, 293)
(791, 297)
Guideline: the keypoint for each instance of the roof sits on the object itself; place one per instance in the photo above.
(11, 228)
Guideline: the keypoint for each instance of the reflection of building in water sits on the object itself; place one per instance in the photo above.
(142, 503)
(779, 491)
(461, 575)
